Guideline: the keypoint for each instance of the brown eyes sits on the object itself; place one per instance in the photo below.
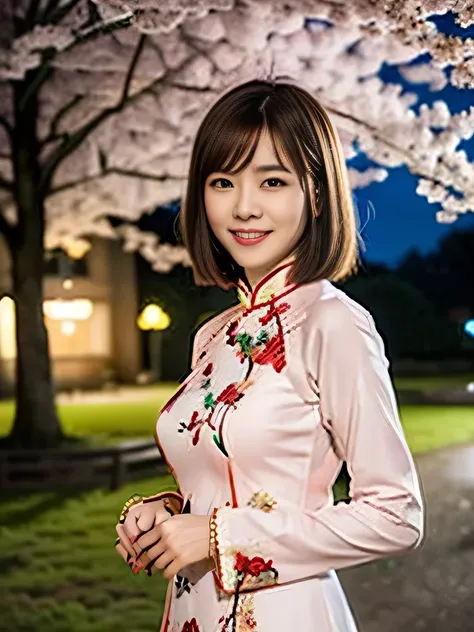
(275, 183)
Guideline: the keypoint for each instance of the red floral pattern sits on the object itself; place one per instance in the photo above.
(208, 370)
(229, 395)
(261, 349)
(190, 626)
(253, 566)
(246, 568)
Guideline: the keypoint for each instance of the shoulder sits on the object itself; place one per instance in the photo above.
(337, 321)
(208, 330)
(331, 309)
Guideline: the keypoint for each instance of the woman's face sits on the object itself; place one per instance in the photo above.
(263, 198)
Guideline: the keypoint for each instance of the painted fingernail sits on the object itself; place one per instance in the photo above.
(137, 568)
(133, 539)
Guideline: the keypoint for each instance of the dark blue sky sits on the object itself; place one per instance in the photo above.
(396, 218)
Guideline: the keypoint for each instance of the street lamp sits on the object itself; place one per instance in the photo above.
(154, 320)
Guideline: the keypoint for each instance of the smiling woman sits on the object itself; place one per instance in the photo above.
(285, 386)
(267, 159)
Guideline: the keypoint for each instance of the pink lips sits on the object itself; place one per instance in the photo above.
(249, 241)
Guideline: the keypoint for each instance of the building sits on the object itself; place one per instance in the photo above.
(90, 312)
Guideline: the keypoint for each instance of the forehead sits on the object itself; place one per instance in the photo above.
(260, 150)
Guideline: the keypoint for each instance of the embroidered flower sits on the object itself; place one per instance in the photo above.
(208, 370)
(253, 566)
(196, 424)
(231, 332)
(191, 626)
(246, 569)
(262, 349)
(229, 395)
(273, 353)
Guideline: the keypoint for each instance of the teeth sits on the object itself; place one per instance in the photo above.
(249, 235)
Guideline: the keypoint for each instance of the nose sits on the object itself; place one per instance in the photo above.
(245, 205)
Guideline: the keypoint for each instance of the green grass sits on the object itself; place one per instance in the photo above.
(119, 420)
(433, 382)
(60, 571)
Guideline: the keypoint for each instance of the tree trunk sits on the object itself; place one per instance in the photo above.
(36, 421)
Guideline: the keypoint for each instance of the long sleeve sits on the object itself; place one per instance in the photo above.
(348, 371)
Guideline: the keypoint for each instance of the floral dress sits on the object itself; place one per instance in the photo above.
(284, 387)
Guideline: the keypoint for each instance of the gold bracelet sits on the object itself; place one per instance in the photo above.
(213, 553)
(133, 500)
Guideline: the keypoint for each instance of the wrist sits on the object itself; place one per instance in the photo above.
(172, 502)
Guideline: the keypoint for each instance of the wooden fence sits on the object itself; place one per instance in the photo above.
(104, 467)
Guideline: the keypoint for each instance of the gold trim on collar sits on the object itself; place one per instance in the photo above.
(270, 287)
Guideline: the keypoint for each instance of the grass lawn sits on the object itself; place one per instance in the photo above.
(60, 572)
(434, 382)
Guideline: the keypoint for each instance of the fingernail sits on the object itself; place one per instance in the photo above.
(137, 568)
(133, 539)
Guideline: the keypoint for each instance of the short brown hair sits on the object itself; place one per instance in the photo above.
(300, 126)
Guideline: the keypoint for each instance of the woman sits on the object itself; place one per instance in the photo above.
(285, 386)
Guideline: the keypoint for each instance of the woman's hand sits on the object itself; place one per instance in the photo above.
(173, 544)
(140, 518)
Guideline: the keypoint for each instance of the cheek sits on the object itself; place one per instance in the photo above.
(215, 211)
(289, 210)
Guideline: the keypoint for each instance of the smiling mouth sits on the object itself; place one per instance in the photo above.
(250, 235)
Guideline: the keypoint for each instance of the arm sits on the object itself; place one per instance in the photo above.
(348, 369)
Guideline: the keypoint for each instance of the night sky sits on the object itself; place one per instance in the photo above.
(396, 219)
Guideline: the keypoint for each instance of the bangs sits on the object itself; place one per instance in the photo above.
(234, 138)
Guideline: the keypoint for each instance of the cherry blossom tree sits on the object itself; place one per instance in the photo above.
(100, 100)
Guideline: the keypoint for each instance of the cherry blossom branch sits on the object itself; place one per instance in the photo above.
(73, 141)
(131, 173)
(131, 69)
(379, 137)
(53, 128)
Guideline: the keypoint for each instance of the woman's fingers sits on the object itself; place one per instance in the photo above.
(150, 553)
(162, 561)
(145, 540)
(122, 551)
(124, 539)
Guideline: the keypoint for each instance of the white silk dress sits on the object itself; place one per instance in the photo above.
(284, 387)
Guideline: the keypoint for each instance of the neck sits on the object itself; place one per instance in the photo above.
(254, 276)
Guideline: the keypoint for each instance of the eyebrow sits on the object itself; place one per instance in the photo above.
(265, 168)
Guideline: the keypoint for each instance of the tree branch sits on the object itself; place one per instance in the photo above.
(55, 11)
(8, 231)
(131, 173)
(131, 69)
(7, 185)
(377, 136)
(73, 141)
(89, 33)
(53, 128)
(32, 13)
(5, 123)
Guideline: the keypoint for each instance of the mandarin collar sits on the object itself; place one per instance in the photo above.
(274, 285)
